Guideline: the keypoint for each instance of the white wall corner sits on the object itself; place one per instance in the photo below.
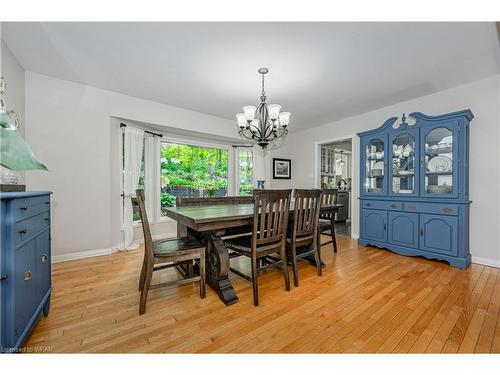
(486, 261)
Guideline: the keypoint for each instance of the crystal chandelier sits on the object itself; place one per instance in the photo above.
(263, 124)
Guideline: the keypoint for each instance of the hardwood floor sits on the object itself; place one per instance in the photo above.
(368, 301)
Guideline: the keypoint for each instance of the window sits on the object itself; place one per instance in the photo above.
(188, 170)
(173, 167)
(245, 172)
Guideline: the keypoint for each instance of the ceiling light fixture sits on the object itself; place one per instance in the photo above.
(265, 123)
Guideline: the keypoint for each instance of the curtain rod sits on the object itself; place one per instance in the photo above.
(122, 125)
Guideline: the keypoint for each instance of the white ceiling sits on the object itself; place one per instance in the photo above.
(320, 72)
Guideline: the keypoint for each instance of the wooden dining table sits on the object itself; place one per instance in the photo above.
(213, 222)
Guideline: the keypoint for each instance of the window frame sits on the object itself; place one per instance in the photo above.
(237, 167)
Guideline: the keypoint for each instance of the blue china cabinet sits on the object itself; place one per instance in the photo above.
(25, 269)
(414, 190)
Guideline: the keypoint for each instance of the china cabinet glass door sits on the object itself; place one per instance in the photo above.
(404, 154)
(375, 154)
(440, 161)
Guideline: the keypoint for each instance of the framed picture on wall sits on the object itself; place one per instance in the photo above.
(282, 169)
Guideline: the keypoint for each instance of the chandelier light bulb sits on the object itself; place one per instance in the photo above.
(284, 119)
(249, 112)
(242, 122)
(274, 111)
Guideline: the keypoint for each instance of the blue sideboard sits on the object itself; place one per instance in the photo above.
(25, 268)
(414, 189)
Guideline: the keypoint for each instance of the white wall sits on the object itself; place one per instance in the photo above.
(71, 128)
(482, 97)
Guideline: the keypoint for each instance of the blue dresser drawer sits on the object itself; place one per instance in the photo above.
(24, 264)
(27, 228)
(431, 208)
(382, 205)
(27, 207)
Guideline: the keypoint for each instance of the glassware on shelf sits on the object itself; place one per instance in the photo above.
(403, 164)
(375, 163)
(439, 161)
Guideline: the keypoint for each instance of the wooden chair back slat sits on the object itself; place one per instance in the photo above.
(148, 239)
(306, 212)
(328, 197)
(270, 216)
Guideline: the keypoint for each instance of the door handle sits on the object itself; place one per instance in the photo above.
(422, 231)
(27, 275)
(4, 278)
(24, 231)
(393, 205)
(385, 226)
(24, 208)
(368, 205)
(44, 258)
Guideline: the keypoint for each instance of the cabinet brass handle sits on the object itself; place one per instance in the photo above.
(24, 208)
(412, 207)
(44, 258)
(24, 231)
(27, 275)
(447, 210)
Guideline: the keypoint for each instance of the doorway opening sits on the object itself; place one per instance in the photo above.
(336, 173)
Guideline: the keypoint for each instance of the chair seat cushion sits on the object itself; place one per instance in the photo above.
(243, 244)
(300, 241)
(325, 225)
(176, 246)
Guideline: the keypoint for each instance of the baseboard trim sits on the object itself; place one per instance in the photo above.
(486, 261)
(100, 252)
(84, 254)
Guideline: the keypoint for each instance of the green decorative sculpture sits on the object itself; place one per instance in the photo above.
(15, 154)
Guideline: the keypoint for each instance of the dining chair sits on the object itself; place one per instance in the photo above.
(327, 219)
(304, 231)
(270, 222)
(167, 253)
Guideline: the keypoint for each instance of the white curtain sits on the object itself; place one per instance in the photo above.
(261, 163)
(151, 162)
(133, 147)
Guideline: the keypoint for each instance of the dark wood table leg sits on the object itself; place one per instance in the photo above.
(334, 235)
(217, 269)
